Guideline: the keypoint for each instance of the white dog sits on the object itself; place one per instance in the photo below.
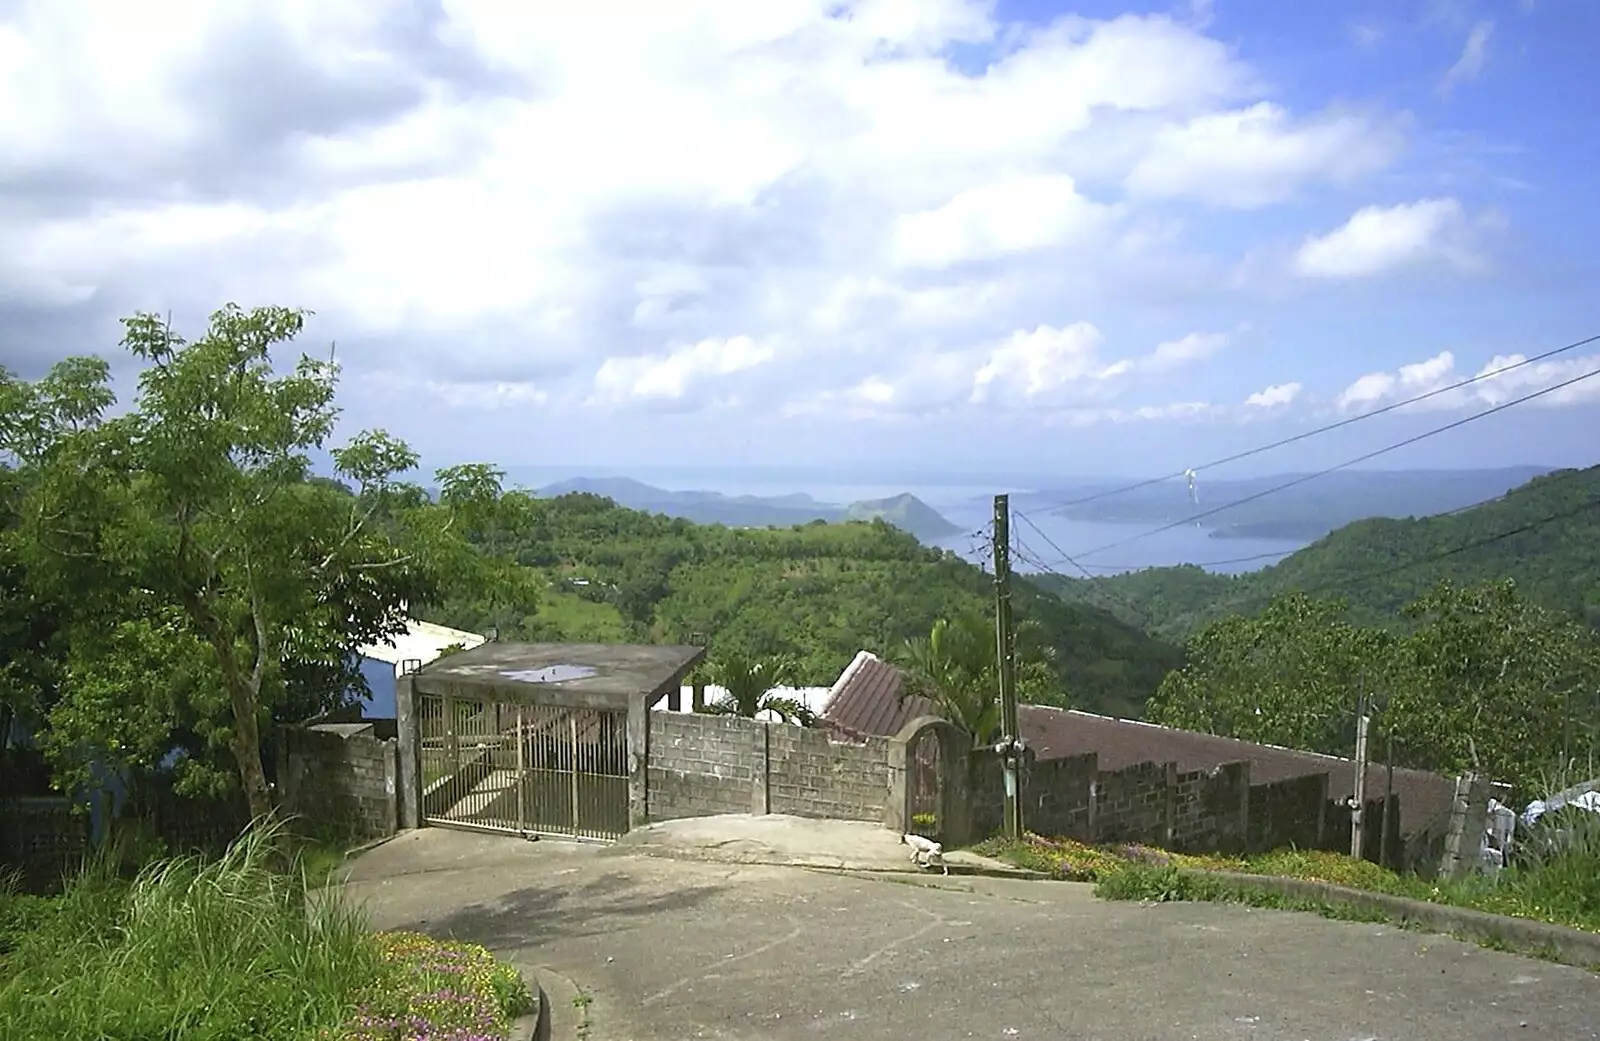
(926, 853)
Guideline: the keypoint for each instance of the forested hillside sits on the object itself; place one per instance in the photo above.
(1545, 535)
(819, 592)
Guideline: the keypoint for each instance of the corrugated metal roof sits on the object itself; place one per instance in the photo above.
(422, 641)
(867, 700)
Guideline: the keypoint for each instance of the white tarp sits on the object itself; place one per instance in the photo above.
(1585, 796)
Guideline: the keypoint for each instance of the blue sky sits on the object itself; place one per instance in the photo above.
(1083, 238)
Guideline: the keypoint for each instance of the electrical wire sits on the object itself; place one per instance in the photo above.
(1521, 529)
(1347, 463)
(1340, 424)
(1548, 480)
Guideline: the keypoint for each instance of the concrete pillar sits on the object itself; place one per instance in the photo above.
(409, 739)
(638, 762)
(1469, 812)
(761, 773)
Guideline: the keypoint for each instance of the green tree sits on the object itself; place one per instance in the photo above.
(751, 685)
(1489, 681)
(206, 568)
(954, 667)
(1291, 675)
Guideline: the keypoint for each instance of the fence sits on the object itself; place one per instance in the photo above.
(1200, 811)
(341, 777)
(701, 765)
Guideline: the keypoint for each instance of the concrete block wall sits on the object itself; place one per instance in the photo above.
(1060, 797)
(1291, 812)
(810, 775)
(1132, 805)
(701, 765)
(340, 776)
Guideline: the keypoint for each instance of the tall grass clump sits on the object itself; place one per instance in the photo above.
(1556, 867)
(193, 949)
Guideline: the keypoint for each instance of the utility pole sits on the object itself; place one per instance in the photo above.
(1358, 801)
(1009, 746)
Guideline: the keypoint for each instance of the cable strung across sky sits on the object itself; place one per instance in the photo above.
(1190, 472)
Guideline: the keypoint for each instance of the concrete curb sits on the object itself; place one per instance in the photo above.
(1557, 942)
(533, 1025)
(990, 869)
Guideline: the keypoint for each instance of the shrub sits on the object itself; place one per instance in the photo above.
(231, 949)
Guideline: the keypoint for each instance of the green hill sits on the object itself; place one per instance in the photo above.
(819, 591)
(906, 512)
(1381, 564)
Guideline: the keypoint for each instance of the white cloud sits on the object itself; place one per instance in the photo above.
(1474, 54)
(672, 375)
(1260, 155)
(1497, 383)
(1013, 216)
(1039, 362)
(1275, 396)
(1192, 348)
(496, 205)
(1377, 240)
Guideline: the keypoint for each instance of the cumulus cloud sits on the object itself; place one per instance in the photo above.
(1275, 396)
(1053, 370)
(1007, 217)
(1191, 348)
(1256, 156)
(1497, 383)
(1377, 240)
(869, 205)
(672, 375)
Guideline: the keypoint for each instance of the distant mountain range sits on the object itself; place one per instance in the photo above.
(1544, 534)
(904, 511)
(1303, 512)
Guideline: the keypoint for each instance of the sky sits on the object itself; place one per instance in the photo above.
(1085, 238)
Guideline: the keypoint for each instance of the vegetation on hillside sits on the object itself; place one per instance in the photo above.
(177, 579)
(1480, 678)
(1544, 534)
(816, 594)
(230, 949)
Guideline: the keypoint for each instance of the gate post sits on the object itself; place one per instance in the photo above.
(408, 727)
(638, 724)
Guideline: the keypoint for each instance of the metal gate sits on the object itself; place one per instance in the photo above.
(540, 769)
(925, 788)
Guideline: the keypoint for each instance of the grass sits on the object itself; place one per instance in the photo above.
(232, 948)
(1559, 885)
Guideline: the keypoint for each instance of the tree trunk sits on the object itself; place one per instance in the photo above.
(247, 751)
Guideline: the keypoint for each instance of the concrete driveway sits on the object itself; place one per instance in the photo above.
(664, 949)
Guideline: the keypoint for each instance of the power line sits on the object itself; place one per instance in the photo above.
(1133, 612)
(1347, 463)
(1137, 485)
(1521, 529)
(1549, 480)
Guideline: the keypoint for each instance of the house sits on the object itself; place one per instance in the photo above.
(421, 643)
(867, 700)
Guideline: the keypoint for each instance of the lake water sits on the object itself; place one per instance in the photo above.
(973, 508)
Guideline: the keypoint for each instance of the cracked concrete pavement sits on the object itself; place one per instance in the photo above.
(672, 949)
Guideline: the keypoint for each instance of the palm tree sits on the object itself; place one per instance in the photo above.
(954, 667)
(750, 683)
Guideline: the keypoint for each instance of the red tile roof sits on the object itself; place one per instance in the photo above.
(867, 700)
